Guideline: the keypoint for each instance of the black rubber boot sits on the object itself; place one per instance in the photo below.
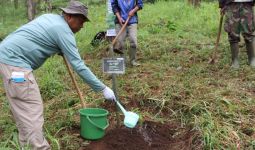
(250, 53)
(234, 52)
(132, 56)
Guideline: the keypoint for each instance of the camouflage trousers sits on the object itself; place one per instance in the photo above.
(239, 20)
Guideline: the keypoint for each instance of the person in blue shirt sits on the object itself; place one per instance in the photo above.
(122, 9)
(27, 49)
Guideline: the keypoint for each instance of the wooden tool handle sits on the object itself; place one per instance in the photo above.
(218, 38)
(121, 30)
(74, 82)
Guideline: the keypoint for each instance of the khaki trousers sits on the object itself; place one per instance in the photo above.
(131, 33)
(26, 107)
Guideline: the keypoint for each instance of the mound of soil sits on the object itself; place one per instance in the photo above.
(148, 136)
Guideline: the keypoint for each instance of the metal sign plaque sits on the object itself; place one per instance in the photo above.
(114, 65)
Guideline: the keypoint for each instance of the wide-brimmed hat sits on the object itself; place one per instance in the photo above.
(76, 7)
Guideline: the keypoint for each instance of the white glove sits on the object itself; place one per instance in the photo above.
(108, 94)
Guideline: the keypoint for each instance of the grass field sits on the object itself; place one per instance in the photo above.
(175, 83)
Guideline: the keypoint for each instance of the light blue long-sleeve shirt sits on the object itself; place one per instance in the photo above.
(31, 45)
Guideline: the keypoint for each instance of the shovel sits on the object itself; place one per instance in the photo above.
(130, 119)
(74, 82)
(213, 60)
(117, 36)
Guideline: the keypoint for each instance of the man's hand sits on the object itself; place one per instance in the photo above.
(109, 94)
(121, 21)
(132, 12)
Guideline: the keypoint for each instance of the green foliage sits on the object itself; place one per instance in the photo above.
(7, 22)
(52, 81)
(53, 140)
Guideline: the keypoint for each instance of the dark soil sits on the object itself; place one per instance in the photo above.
(148, 136)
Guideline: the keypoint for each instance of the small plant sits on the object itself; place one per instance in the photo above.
(54, 141)
(171, 26)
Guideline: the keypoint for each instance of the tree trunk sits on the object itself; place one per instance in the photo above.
(31, 9)
(16, 4)
(195, 3)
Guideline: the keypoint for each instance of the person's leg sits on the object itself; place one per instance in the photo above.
(120, 43)
(234, 47)
(232, 27)
(26, 107)
(132, 35)
(247, 23)
(250, 52)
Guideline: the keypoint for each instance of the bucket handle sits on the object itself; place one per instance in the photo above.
(102, 128)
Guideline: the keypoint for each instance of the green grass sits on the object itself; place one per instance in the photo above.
(175, 83)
